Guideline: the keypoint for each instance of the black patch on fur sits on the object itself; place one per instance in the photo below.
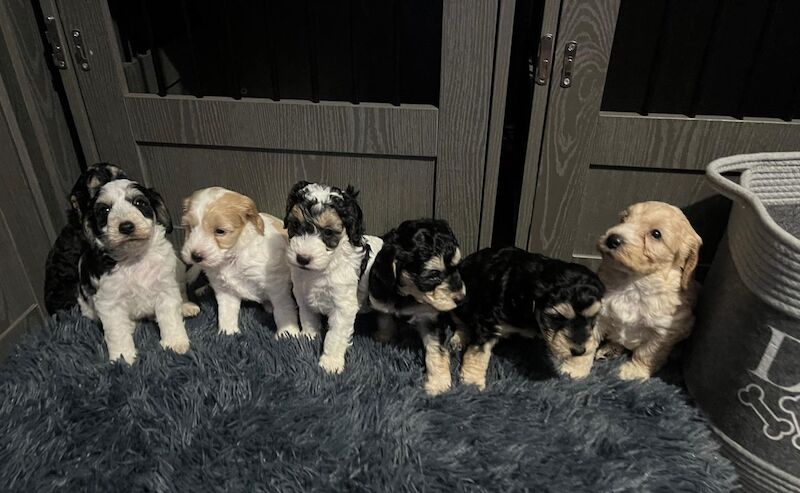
(94, 263)
(512, 286)
(346, 207)
(155, 208)
(61, 268)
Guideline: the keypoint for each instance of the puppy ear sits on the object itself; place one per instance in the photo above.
(690, 255)
(383, 275)
(159, 208)
(250, 213)
(293, 199)
(352, 217)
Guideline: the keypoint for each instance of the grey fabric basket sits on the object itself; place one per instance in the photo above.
(743, 366)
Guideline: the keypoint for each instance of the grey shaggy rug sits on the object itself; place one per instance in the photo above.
(249, 413)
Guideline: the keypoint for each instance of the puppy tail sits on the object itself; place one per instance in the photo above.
(351, 191)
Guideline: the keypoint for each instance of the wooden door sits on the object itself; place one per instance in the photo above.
(658, 90)
(199, 106)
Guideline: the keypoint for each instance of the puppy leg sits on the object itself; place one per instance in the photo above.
(170, 323)
(460, 338)
(475, 363)
(646, 359)
(337, 340)
(386, 328)
(437, 361)
(228, 306)
(284, 310)
(310, 321)
(577, 367)
(609, 350)
(118, 330)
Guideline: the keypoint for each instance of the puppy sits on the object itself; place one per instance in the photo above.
(414, 279)
(648, 265)
(511, 291)
(329, 258)
(130, 270)
(61, 269)
(243, 254)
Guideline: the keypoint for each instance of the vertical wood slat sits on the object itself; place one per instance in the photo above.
(536, 129)
(468, 41)
(154, 52)
(505, 30)
(103, 87)
(571, 121)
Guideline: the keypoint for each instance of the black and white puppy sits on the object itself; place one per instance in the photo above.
(329, 258)
(61, 269)
(511, 291)
(130, 270)
(414, 280)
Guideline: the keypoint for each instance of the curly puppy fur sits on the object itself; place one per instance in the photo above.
(649, 260)
(243, 254)
(61, 269)
(414, 280)
(511, 291)
(130, 271)
(329, 257)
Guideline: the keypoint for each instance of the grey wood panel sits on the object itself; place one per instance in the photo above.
(104, 84)
(32, 318)
(536, 131)
(392, 189)
(291, 125)
(572, 116)
(73, 92)
(16, 293)
(674, 141)
(505, 30)
(37, 106)
(468, 36)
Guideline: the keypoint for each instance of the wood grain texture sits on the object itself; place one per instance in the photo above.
(267, 177)
(674, 141)
(289, 125)
(536, 131)
(505, 29)
(37, 106)
(468, 37)
(16, 293)
(572, 116)
(103, 86)
(32, 318)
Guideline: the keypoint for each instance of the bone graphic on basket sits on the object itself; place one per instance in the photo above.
(775, 427)
(791, 406)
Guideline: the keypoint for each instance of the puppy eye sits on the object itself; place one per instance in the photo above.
(102, 210)
(328, 232)
(220, 232)
(656, 234)
(140, 202)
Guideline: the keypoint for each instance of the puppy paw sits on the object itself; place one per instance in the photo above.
(456, 343)
(609, 350)
(309, 334)
(436, 386)
(575, 369)
(229, 331)
(332, 364)
(632, 371)
(478, 382)
(178, 344)
(287, 332)
(189, 309)
(126, 356)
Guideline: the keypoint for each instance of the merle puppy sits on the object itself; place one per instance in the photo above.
(511, 291)
(61, 269)
(414, 280)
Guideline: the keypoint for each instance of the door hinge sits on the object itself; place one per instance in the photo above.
(569, 59)
(544, 59)
(56, 45)
(80, 52)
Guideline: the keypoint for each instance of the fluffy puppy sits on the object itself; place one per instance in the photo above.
(130, 270)
(648, 264)
(329, 258)
(243, 254)
(511, 291)
(414, 279)
(61, 269)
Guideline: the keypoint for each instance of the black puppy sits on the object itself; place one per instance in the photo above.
(61, 269)
(413, 280)
(513, 291)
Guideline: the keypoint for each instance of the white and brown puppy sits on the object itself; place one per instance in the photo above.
(330, 258)
(243, 254)
(129, 271)
(649, 260)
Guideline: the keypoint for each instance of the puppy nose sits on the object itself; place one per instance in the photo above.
(126, 228)
(303, 260)
(196, 257)
(613, 241)
(577, 351)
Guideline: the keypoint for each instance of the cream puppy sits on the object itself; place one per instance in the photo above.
(648, 265)
(243, 254)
